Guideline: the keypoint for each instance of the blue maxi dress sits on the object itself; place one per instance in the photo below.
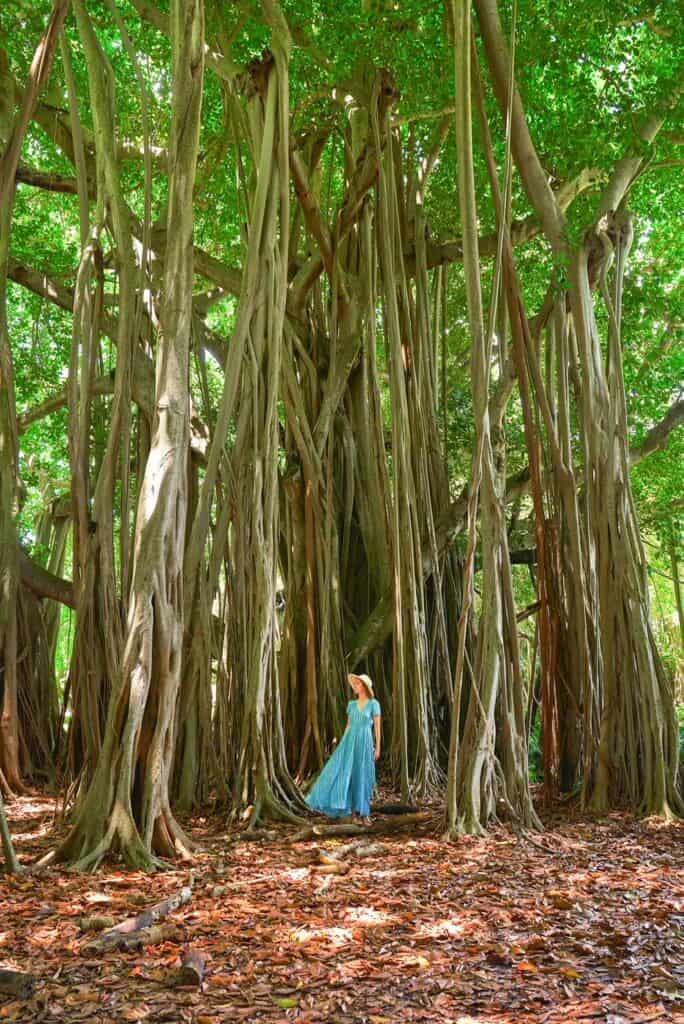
(347, 780)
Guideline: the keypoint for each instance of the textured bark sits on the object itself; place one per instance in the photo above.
(11, 862)
(99, 622)
(479, 774)
(13, 638)
(636, 753)
(261, 780)
(679, 599)
(127, 804)
(628, 721)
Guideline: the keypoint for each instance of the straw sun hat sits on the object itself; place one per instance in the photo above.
(366, 680)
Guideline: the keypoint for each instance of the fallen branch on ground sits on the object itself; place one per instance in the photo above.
(16, 983)
(116, 937)
(393, 809)
(96, 923)
(153, 936)
(395, 824)
(191, 970)
(327, 866)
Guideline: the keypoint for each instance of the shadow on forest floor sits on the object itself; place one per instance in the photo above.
(584, 923)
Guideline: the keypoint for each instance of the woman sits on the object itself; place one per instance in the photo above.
(346, 783)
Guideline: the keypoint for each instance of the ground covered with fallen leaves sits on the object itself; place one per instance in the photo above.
(583, 923)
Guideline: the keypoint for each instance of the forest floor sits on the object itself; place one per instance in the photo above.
(584, 922)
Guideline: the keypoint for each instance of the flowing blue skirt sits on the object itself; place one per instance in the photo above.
(347, 780)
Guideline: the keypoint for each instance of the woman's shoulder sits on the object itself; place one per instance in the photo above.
(375, 706)
(350, 705)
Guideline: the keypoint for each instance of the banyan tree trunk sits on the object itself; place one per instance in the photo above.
(127, 804)
(629, 734)
(412, 748)
(98, 640)
(483, 766)
(10, 770)
(11, 638)
(637, 749)
(11, 862)
(261, 779)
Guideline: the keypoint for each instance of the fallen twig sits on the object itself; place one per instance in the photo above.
(112, 939)
(96, 923)
(328, 868)
(393, 809)
(153, 936)
(191, 970)
(16, 983)
(394, 824)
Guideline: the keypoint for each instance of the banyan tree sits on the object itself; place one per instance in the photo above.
(319, 343)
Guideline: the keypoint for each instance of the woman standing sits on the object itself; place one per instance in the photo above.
(347, 781)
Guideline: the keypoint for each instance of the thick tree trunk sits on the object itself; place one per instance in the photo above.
(98, 641)
(636, 757)
(629, 727)
(127, 804)
(478, 776)
(11, 141)
(11, 863)
(261, 780)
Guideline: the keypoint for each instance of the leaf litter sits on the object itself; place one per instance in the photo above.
(584, 923)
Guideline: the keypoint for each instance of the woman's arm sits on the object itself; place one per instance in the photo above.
(377, 729)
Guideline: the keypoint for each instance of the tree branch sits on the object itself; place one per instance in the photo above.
(522, 231)
(43, 583)
(102, 386)
(50, 182)
(532, 174)
(40, 69)
(658, 436)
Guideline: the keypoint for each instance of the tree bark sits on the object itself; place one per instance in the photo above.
(679, 600)
(127, 804)
(11, 863)
(11, 639)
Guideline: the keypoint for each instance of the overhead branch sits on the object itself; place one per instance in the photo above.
(38, 74)
(43, 583)
(208, 266)
(56, 124)
(532, 174)
(102, 386)
(522, 231)
(658, 436)
(50, 182)
(221, 64)
(636, 155)
(47, 287)
(424, 115)
(40, 284)
(518, 484)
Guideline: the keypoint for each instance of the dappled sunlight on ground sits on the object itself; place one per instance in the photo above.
(369, 917)
(448, 929)
(580, 923)
(331, 938)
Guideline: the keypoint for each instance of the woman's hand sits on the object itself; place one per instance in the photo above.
(377, 753)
